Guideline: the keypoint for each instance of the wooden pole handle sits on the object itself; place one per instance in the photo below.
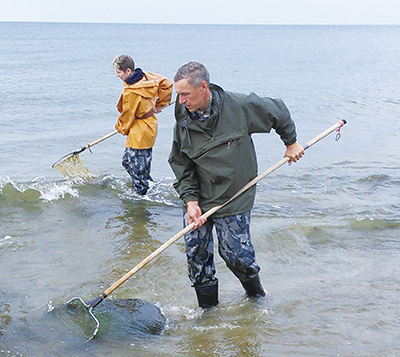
(211, 211)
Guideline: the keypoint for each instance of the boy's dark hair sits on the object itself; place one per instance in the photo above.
(124, 62)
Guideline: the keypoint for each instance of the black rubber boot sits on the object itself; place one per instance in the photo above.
(253, 287)
(207, 294)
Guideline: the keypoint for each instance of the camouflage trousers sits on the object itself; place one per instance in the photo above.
(234, 246)
(137, 162)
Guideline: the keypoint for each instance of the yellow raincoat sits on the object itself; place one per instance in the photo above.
(136, 104)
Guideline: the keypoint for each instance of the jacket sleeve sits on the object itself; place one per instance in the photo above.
(127, 106)
(264, 114)
(186, 183)
(164, 92)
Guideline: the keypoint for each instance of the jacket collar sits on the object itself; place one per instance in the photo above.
(135, 77)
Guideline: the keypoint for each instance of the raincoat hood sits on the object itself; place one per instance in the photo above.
(147, 87)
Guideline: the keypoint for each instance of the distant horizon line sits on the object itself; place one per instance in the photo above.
(194, 24)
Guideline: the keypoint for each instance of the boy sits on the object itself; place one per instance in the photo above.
(143, 96)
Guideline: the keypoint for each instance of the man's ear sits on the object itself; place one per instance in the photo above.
(128, 72)
(204, 85)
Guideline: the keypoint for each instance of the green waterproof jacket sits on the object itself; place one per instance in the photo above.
(214, 158)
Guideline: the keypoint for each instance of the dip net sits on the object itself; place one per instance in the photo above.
(72, 167)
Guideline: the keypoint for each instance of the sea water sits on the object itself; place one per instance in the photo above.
(326, 229)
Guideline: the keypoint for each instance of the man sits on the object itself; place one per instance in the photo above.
(213, 157)
(143, 96)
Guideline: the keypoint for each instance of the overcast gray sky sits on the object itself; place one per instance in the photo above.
(205, 11)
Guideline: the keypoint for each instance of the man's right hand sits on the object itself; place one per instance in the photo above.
(194, 214)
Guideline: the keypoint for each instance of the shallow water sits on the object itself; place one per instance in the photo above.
(325, 229)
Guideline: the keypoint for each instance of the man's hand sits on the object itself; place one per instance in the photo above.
(194, 214)
(294, 152)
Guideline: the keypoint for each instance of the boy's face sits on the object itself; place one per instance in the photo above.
(123, 75)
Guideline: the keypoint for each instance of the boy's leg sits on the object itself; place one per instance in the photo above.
(137, 163)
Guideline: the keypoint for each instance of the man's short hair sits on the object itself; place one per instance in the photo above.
(195, 73)
(124, 62)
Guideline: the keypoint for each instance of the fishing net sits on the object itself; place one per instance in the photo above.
(82, 317)
(113, 319)
(72, 167)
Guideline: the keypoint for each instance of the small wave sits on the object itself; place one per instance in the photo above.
(6, 240)
(179, 312)
(38, 189)
(41, 189)
(366, 223)
(375, 178)
(220, 326)
(393, 101)
(161, 191)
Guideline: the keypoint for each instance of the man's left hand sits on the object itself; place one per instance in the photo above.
(294, 152)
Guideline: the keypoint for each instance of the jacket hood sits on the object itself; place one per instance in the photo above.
(147, 87)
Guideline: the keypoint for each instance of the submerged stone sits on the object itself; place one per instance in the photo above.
(130, 315)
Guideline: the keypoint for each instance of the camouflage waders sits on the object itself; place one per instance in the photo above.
(137, 162)
(234, 247)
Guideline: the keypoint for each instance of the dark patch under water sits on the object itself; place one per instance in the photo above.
(63, 333)
(118, 318)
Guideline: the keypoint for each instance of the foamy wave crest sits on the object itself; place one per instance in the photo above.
(55, 191)
(6, 240)
(39, 188)
(161, 191)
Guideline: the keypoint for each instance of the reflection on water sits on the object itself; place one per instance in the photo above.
(133, 224)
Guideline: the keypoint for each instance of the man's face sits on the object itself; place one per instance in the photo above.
(193, 98)
(123, 75)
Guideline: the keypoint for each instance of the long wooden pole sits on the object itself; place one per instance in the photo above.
(207, 214)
